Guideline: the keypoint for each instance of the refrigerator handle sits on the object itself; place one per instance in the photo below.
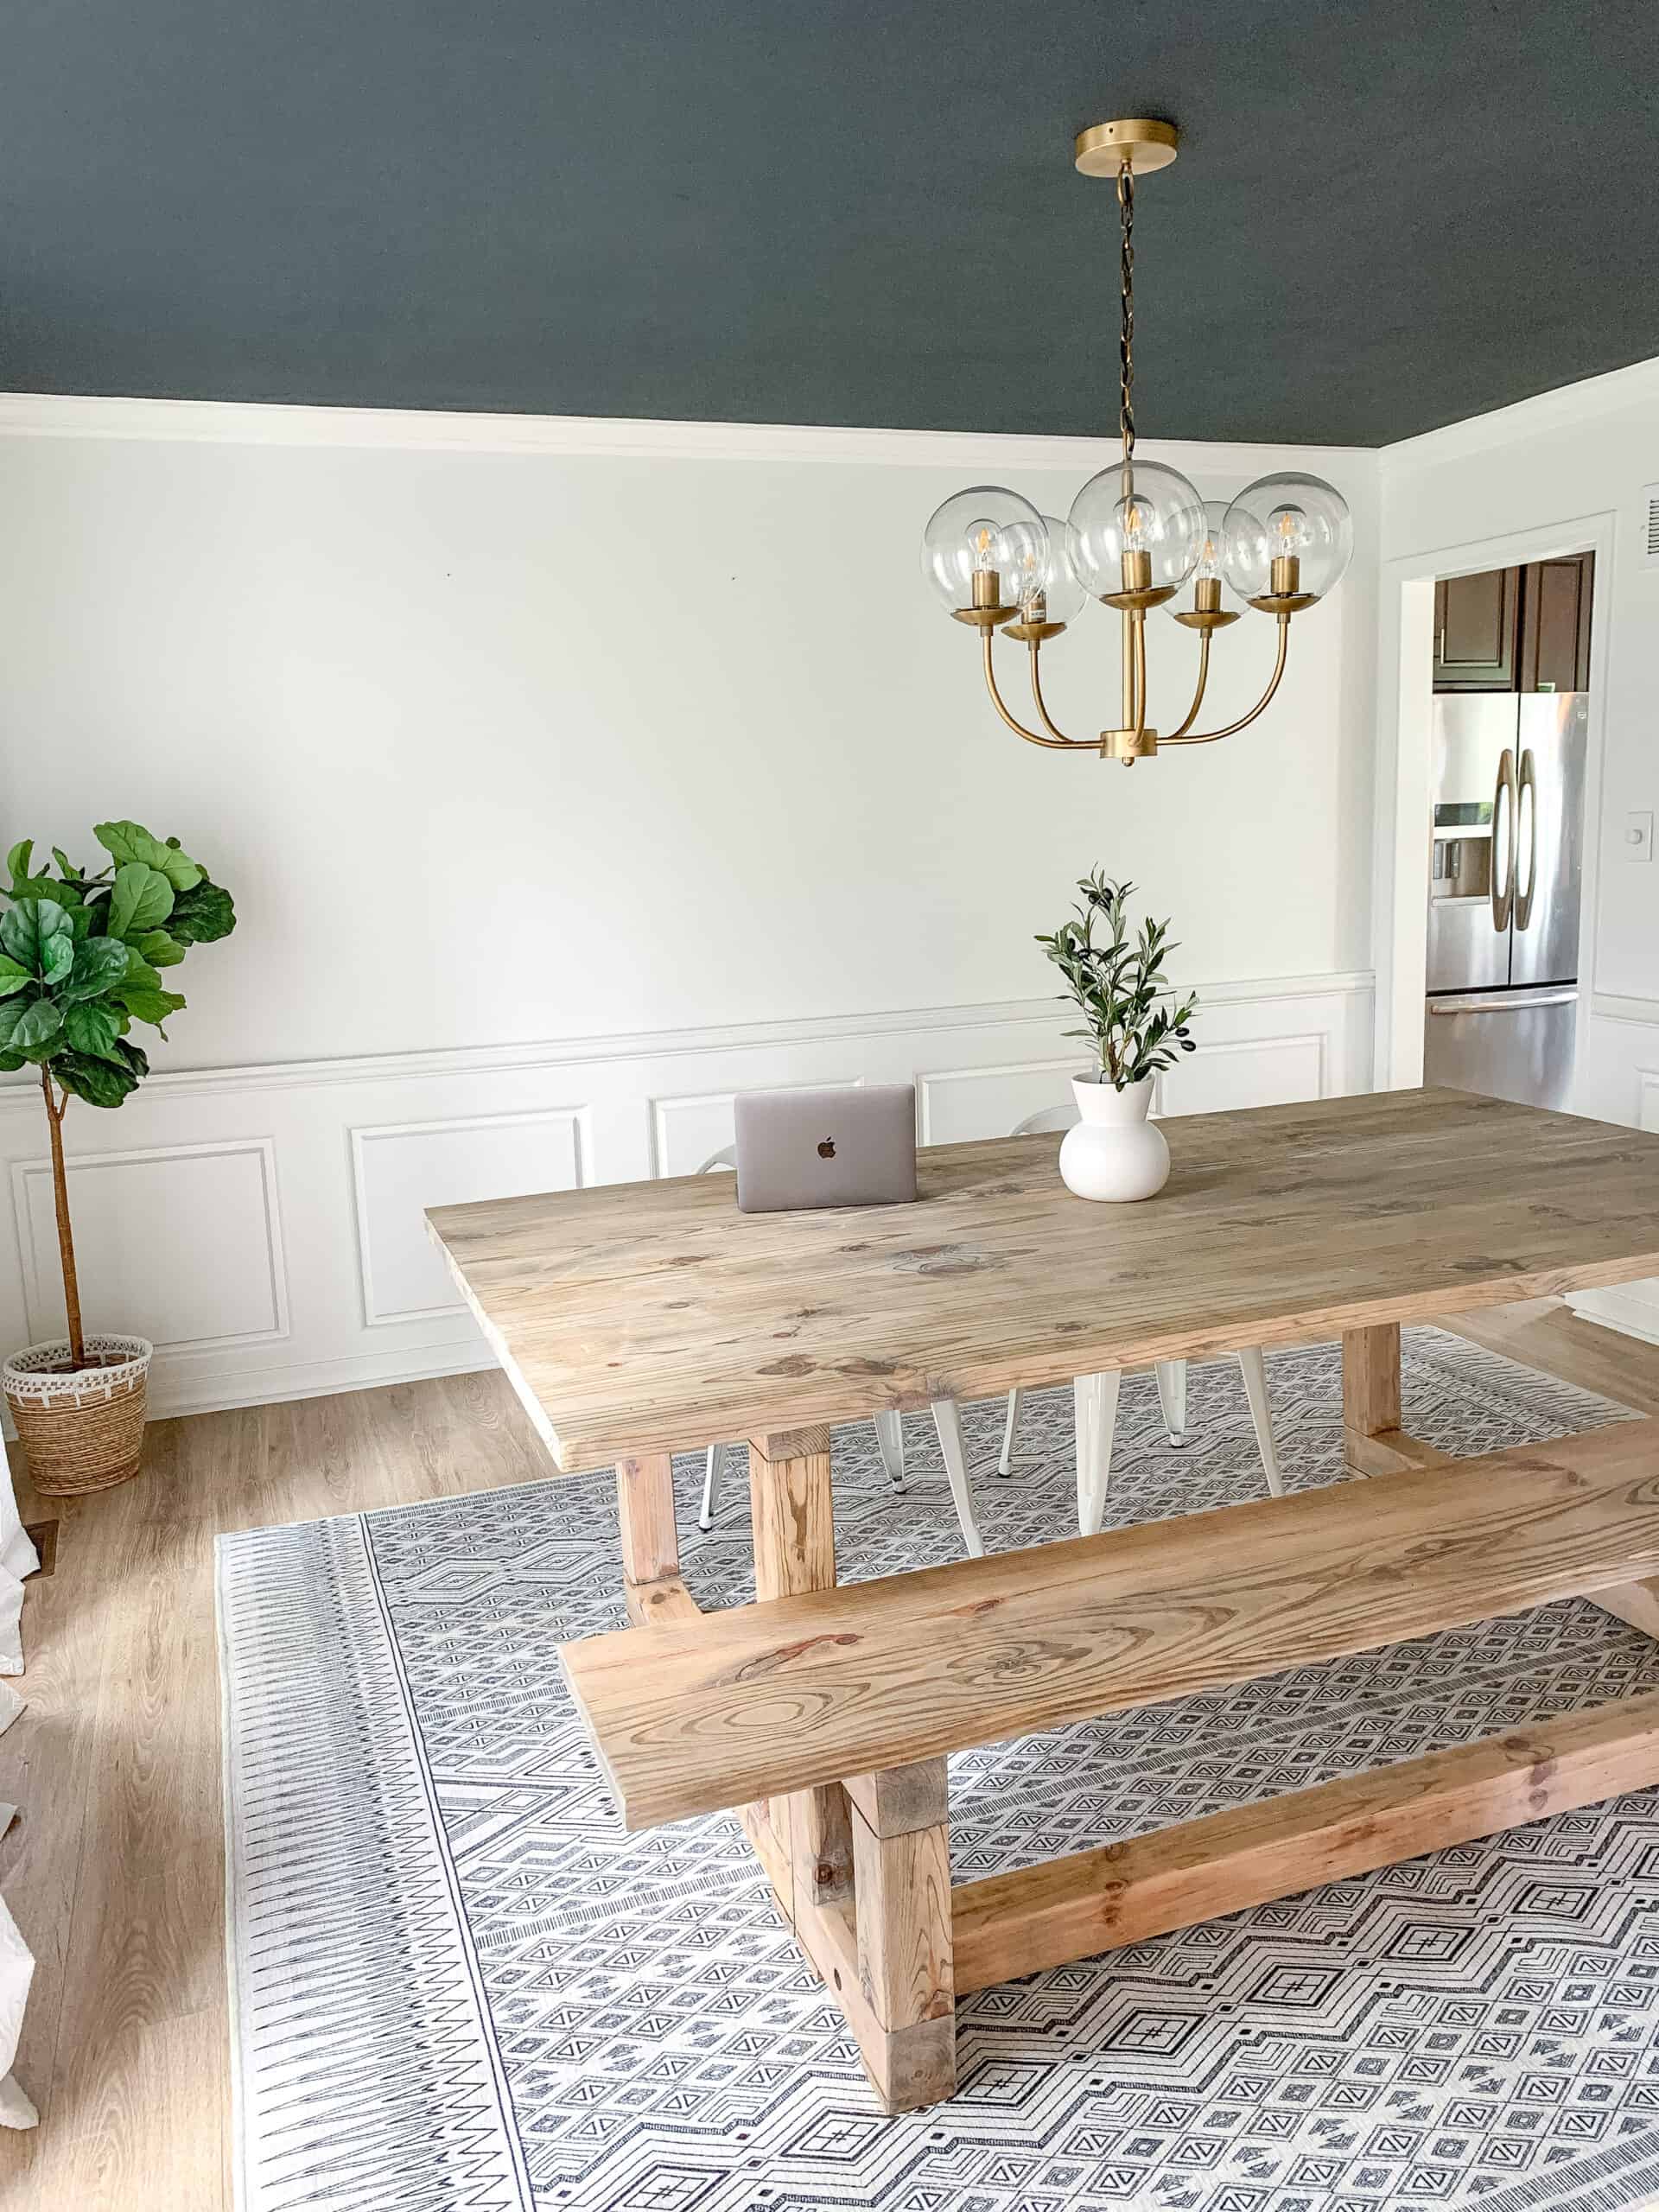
(1526, 789)
(1504, 853)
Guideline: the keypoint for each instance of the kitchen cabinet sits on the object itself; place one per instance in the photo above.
(1478, 631)
(1556, 623)
(1516, 629)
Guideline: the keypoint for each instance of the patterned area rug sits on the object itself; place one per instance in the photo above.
(455, 1983)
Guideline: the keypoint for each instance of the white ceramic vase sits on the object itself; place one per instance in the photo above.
(1114, 1152)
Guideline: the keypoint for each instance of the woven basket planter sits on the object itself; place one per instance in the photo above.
(83, 1432)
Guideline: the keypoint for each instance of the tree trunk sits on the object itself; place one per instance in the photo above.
(65, 1237)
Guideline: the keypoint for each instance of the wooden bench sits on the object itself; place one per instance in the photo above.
(827, 1718)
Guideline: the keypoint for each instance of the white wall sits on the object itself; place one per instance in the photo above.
(1567, 469)
(569, 776)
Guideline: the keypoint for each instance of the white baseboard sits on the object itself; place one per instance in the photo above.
(263, 1226)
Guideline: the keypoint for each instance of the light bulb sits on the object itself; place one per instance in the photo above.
(1209, 560)
(1139, 524)
(981, 546)
(1028, 576)
(1289, 529)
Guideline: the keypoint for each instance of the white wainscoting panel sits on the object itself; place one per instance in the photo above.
(1631, 1308)
(1246, 1071)
(955, 1105)
(398, 1169)
(182, 1244)
(176, 1196)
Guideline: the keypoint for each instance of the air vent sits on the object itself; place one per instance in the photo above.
(1650, 524)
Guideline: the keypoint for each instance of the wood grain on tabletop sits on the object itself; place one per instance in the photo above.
(654, 1316)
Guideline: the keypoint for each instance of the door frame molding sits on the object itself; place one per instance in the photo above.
(1406, 681)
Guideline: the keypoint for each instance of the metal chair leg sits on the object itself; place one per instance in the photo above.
(890, 1441)
(711, 1480)
(1172, 1397)
(1012, 1422)
(1255, 1390)
(947, 1419)
(1096, 1399)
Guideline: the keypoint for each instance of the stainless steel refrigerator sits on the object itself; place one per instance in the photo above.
(1508, 830)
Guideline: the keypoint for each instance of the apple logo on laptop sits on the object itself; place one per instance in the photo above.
(827, 1149)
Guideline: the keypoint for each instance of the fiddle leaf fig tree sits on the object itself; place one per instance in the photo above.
(81, 961)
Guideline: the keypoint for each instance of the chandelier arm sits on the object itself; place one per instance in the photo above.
(1209, 736)
(1139, 619)
(1181, 728)
(1056, 735)
(1055, 744)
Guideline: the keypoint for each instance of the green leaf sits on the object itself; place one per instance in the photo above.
(46, 886)
(127, 843)
(25, 1026)
(100, 1082)
(38, 935)
(12, 977)
(159, 949)
(99, 964)
(145, 1000)
(67, 867)
(93, 1030)
(10, 1062)
(18, 858)
(203, 915)
(142, 899)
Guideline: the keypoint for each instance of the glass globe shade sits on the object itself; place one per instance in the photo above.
(1134, 507)
(1299, 516)
(1052, 575)
(985, 527)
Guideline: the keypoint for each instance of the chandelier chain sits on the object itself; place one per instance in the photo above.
(1125, 279)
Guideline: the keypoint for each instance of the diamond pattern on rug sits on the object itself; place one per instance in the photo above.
(1480, 2027)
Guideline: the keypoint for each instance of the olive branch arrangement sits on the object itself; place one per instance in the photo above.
(1135, 1022)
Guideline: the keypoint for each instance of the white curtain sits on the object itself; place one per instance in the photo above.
(17, 1559)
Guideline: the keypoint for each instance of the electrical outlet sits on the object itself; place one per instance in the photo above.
(1638, 835)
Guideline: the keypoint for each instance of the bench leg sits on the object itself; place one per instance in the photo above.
(902, 1919)
(805, 1842)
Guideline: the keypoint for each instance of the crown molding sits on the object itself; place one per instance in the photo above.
(1564, 408)
(226, 422)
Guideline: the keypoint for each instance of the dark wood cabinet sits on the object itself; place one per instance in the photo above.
(1516, 629)
(1478, 631)
(1556, 623)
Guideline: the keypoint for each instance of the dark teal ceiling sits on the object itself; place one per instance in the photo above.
(1384, 217)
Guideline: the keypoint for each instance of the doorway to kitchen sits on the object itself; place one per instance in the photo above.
(1458, 646)
(1508, 741)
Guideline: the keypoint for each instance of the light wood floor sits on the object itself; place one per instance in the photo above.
(115, 1872)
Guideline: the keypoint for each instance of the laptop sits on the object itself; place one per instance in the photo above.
(854, 1146)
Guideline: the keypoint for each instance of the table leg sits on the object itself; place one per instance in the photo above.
(1376, 1443)
(651, 1548)
(810, 1854)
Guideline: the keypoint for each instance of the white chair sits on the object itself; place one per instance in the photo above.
(1095, 1397)
(889, 1428)
(1094, 1400)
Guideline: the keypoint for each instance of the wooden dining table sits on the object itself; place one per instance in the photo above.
(638, 1320)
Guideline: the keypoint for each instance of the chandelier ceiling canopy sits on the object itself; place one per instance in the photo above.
(1136, 535)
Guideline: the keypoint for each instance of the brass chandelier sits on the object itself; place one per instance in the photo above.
(1135, 535)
